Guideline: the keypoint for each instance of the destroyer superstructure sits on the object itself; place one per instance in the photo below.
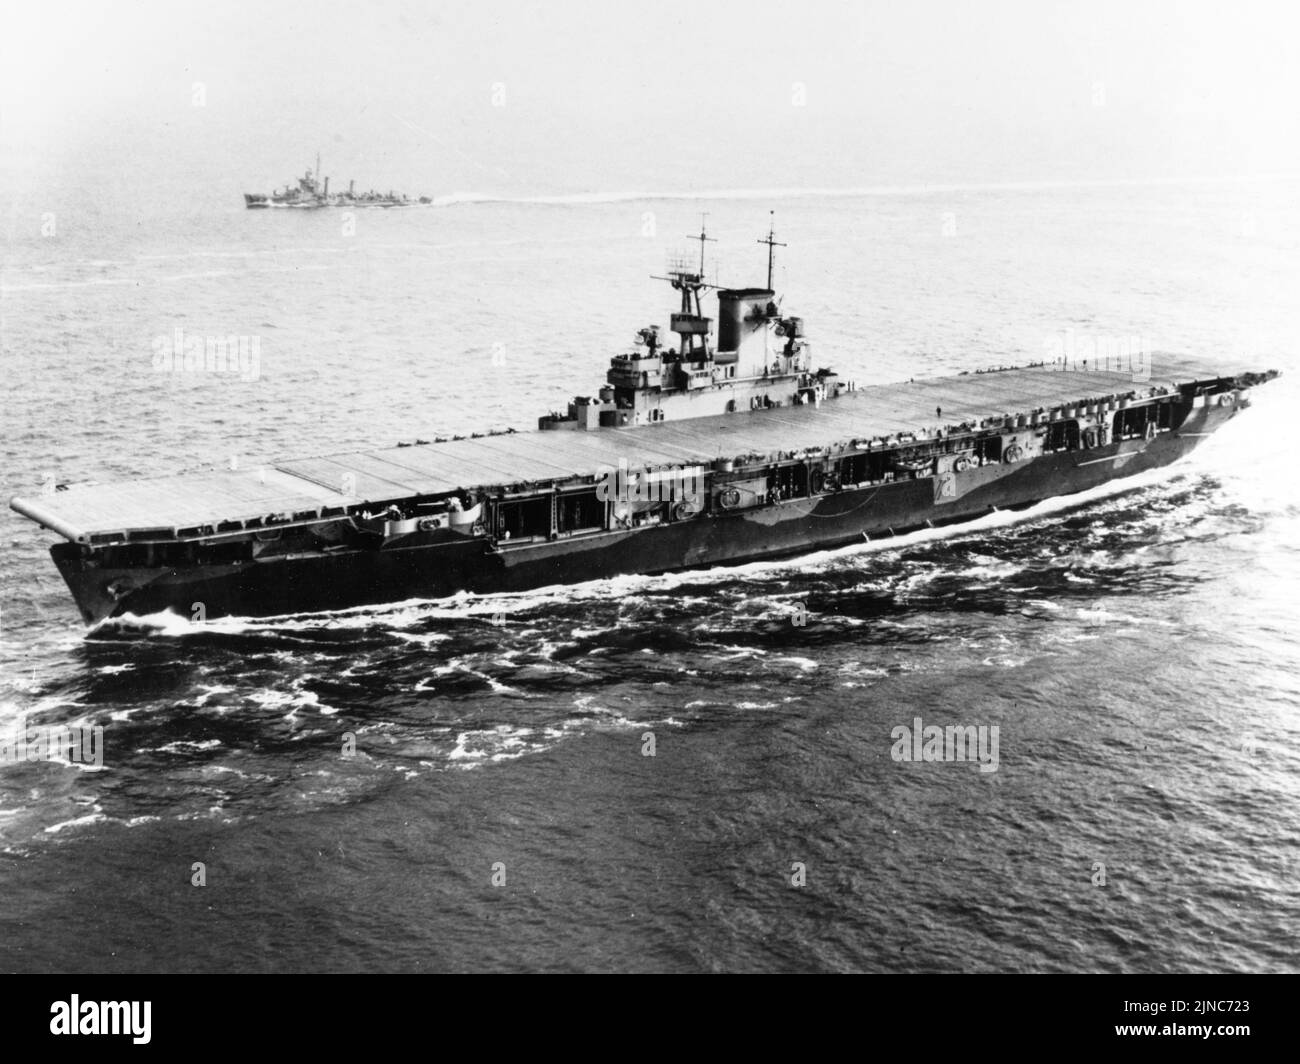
(312, 190)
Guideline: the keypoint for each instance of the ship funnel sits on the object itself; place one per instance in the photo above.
(327, 186)
(743, 315)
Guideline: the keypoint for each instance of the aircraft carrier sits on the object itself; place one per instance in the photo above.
(693, 453)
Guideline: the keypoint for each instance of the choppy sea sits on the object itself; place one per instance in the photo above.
(1138, 649)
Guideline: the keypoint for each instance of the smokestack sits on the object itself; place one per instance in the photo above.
(327, 186)
(742, 328)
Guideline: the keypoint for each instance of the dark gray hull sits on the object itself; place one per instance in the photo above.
(352, 577)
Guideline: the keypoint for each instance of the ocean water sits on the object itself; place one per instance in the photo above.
(1137, 648)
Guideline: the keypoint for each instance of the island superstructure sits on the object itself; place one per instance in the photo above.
(693, 453)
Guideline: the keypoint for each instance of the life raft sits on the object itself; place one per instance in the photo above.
(1013, 454)
(729, 498)
(961, 465)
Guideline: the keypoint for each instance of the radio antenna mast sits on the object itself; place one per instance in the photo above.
(771, 243)
(702, 238)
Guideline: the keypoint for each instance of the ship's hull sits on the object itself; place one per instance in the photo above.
(354, 577)
(261, 201)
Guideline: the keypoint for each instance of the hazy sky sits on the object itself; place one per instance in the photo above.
(499, 95)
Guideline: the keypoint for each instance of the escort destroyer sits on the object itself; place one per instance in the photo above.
(695, 452)
(311, 190)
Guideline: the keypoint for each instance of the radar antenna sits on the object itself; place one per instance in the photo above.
(690, 322)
